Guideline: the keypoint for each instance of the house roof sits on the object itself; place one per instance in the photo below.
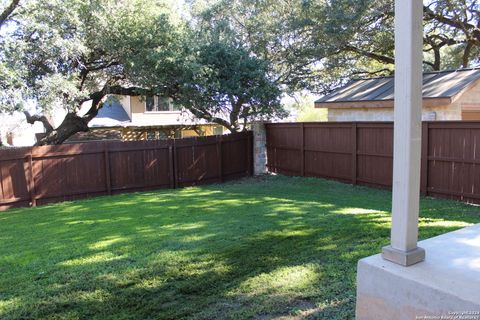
(112, 114)
(439, 88)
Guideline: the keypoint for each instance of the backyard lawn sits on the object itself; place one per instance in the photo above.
(273, 247)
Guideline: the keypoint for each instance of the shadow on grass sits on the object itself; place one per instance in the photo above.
(256, 249)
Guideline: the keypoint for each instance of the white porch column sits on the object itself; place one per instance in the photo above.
(407, 136)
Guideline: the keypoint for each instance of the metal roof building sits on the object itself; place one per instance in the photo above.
(447, 95)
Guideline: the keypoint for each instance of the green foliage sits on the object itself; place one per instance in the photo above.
(318, 45)
(64, 53)
(271, 30)
(67, 50)
(10, 84)
(261, 248)
(303, 106)
(309, 43)
(226, 84)
(11, 89)
(310, 113)
(226, 61)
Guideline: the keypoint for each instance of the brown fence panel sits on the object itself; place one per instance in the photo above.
(237, 155)
(374, 154)
(39, 175)
(284, 143)
(454, 160)
(67, 172)
(15, 177)
(328, 151)
(362, 153)
(144, 165)
(197, 161)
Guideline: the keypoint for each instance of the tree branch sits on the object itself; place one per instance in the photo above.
(466, 27)
(7, 12)
(205, 115)
(371, 73)
(372, 55)
(41, 118)
(466, 54)
(236, 107)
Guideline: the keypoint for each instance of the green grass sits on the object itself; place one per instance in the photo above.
(276, 247)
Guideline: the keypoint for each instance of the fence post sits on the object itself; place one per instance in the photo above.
(249, 153)
(302, 150)
(31, 184)
(259, 148)
(354, 153)
(424, 163)
(108, 180)
(175, 166)
(219, 157)
(171, 167)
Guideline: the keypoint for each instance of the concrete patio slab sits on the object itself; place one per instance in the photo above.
(444, 286)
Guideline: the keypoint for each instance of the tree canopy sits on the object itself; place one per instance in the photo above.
(319, 44)
(67, 52)
(63, 53)
(226, 84)
(225, 61)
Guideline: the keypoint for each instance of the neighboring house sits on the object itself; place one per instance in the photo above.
(447, 95)
(130, 118)
(15, 131)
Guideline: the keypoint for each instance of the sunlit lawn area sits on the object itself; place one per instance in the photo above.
(276, 247)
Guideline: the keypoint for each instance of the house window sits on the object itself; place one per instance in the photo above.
(150, 104)
(175, 106)
(159, 104)
(178, 134)
(218, 130)
(163, 104)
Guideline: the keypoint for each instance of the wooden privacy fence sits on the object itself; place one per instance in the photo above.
(362, 153)
(39, 175)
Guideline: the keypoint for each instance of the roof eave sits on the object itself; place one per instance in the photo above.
(464, 90)
(427, 102)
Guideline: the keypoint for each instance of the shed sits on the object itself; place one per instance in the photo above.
(447, 95)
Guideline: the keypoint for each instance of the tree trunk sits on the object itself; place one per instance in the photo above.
(70, 125)
(233, 129)
(7, 11)
(438, 60)
(466, 54)
(74, 123)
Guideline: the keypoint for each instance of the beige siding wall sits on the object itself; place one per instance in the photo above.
(125, 102)
(189, 133)
(469, 103)
(452, 112)
(139, 116)
(470, 96)
(364, 114)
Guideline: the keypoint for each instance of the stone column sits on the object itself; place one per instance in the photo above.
(407, 135)
(10, 138)
(259, 148)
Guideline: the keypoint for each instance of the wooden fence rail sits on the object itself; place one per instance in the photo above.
(362, 153)
(38, 175)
